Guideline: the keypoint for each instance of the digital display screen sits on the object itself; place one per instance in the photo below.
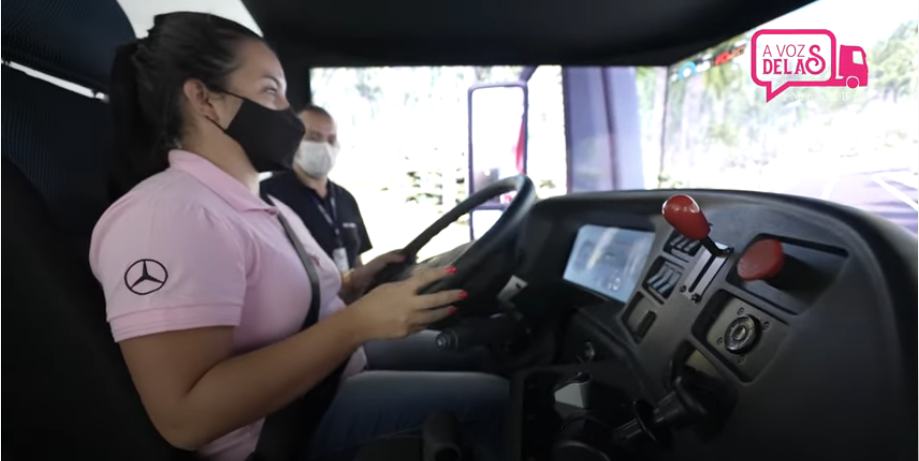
(608, 260)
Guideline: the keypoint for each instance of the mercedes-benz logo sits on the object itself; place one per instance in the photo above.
(145, 276)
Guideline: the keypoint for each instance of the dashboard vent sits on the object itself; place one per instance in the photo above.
(663, 278)
(682, 247)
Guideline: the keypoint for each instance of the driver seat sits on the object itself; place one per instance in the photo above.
(68, 391)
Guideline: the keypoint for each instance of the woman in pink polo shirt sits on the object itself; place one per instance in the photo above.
(205, 292)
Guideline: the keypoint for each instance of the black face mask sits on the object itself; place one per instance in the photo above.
(269, 137)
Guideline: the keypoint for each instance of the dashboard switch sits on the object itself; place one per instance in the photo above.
(645, 324)
(664, 279)
(741, 334)
(685, 215)
(658, 284)
(640, 322)
(640, 317)
(761, 261)
(661, 274)
(667, 288)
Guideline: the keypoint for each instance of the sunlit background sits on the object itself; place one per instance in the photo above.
(405, 135)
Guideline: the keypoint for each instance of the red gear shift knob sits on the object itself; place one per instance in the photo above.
(684, 214)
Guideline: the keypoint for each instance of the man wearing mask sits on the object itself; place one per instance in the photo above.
(328, 210)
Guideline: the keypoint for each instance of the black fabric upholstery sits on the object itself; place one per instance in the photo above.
(67, 391)
(61, 142)
(71, 39)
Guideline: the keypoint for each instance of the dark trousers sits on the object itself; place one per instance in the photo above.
(408, 380)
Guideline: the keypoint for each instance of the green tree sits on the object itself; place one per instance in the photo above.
(497, 74)
(725, 78)
(892, 63)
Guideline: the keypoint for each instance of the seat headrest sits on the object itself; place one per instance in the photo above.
(70, 39)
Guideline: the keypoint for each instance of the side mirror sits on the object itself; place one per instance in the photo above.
(497, 143)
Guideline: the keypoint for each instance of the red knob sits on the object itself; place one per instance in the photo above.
(684, 214)
(761, 261)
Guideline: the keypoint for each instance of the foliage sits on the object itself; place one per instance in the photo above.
(893, 64)
(718, 121)
(497, 74)
(416, 114)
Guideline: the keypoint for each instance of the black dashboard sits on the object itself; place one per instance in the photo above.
(793, 330)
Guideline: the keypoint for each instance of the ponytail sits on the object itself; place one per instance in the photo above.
(145, 90)
(135, 137)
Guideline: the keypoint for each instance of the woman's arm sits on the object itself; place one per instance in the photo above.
(195, 391)
(177, 340)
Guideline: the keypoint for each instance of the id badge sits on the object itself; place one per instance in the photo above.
(340, 256)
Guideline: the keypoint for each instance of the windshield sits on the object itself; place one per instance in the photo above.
(701, 123)
(852, 146)
(403, 132)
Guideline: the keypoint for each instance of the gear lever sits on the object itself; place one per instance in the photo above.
(685, 215)
(677, 409)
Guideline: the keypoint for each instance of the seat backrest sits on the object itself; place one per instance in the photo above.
(67, 390)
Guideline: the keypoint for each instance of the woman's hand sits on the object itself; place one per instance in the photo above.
(362, 276)
(395, 310)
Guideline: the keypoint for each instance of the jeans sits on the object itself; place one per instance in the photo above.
(419, 352)
(408, 380)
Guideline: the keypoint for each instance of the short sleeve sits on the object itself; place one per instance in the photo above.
(166, 266)
(364, 244)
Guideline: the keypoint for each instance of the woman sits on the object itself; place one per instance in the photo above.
(204, 292)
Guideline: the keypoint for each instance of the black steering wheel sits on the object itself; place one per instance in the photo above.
(476, 254)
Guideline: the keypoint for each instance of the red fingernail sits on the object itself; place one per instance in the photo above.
(450, 270)
(463, 294)
(451, 310)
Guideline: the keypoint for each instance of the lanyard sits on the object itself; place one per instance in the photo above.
(332, 219)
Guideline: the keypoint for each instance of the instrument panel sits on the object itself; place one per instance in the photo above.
(608, 260)
(804, 311)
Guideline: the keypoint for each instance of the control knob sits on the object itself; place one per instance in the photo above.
(685, 215)
(765, 260)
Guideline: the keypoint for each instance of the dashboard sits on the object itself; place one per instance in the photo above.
(797, 320)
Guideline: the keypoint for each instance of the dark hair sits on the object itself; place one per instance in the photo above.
(146, 86)
(314, 109)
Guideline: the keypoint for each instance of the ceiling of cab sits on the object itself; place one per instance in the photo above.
(463, 32)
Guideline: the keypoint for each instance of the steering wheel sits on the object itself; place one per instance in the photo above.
(476, 254)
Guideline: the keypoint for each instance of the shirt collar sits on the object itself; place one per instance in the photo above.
(225, 186)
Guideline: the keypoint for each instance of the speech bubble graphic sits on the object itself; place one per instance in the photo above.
(785, 58)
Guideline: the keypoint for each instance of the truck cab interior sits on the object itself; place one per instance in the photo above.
(633, 325)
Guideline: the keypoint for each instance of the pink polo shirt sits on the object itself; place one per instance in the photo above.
(192, 247)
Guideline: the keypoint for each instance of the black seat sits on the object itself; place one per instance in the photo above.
(68, 392)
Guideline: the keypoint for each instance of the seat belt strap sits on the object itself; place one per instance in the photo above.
(286, 433)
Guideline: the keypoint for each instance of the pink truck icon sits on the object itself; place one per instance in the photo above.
(853, 67)
(848, 65)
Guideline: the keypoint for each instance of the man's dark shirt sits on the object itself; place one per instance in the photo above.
(288, 188)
